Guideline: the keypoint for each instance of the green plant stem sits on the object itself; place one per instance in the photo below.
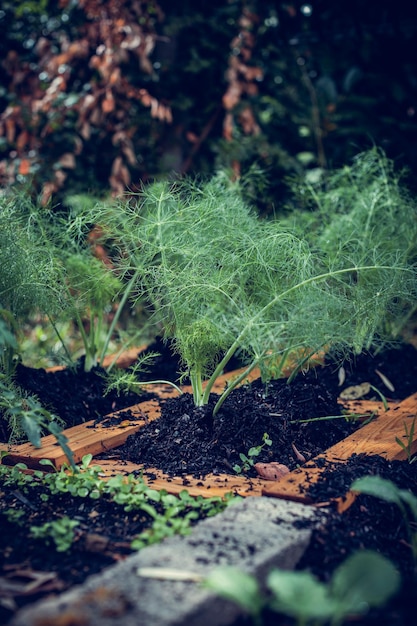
(196, 379)
(301, 363)
(159, 382)
(126, 293)
(61, 340)
(353, 416)
(233, 384)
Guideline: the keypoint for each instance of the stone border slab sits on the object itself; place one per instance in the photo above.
(254, 534)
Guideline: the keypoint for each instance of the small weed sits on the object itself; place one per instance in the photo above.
(407, 446)
(248, 461)
(14, 516)
(60, 532)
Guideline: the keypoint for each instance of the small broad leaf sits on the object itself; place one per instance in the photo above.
(231, 583)
(366, 579)
(300, 595)
(47, 462)
(378, 487)
(32, 430)
(86, 460)
(411, 500)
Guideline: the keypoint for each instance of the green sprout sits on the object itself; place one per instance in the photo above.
(60, 532)
(407, 446)
(248, 461)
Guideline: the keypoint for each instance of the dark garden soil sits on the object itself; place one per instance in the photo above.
(187, 441)
(31, 569)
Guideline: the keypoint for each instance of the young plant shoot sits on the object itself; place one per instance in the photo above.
(29, 276)
(218, 280)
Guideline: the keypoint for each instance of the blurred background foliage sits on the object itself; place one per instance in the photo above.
(99, 95)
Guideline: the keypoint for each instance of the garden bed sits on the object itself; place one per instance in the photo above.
(178, 447)
(106, 530)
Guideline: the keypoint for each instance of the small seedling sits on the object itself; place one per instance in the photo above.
(366, 579)
(407, 446)
(248, 461)
(129, 380)
(60, 532)
(14, 516)
(167, 514)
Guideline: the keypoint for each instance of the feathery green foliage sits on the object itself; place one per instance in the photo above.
(29, 280)
(94, 288)
(219, 279)
(362, 212)
(89, 288)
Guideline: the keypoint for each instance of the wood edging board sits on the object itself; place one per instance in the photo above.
(97, 437)
(375, 438)
(123, 360)
(209, 486)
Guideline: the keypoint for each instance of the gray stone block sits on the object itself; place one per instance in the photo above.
(254, 534)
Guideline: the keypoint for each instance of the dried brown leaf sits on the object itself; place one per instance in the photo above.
(271, 471)
(67, 160)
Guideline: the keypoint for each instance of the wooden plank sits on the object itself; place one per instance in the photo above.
(377, 437)
(83, 439)
(123, 360)
(210, 485)
(89, 439)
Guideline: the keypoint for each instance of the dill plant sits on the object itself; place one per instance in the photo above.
(29, 282)
(29, 279)
(218, 280)
(92, 293)
(363, 211)
(93, 288)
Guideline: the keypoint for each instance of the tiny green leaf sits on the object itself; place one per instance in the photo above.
(378, 487)
(233, 584)
(366, 579)
(300, 595)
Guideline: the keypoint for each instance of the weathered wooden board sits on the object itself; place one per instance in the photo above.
(94, 439)
(83, 439)
(210, 485)
(123, 360)
(377, 437)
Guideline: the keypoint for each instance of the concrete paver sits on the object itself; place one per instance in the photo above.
(255, 534)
